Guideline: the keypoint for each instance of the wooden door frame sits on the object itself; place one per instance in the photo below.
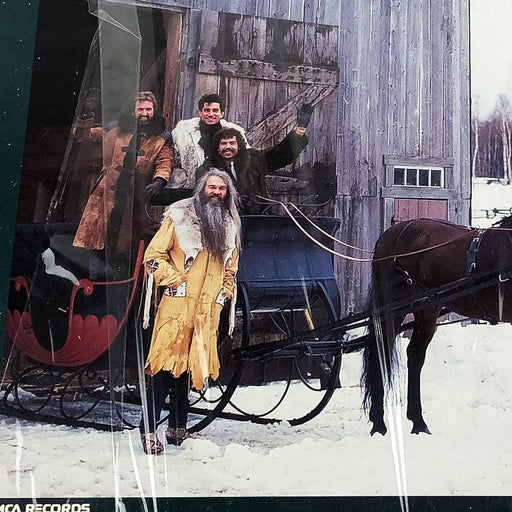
(389, 192)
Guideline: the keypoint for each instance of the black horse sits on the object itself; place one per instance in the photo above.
(470, 267)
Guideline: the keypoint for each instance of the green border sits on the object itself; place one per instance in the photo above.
(18, 22)
(268, 504)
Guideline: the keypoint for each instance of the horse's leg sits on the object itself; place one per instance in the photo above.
(375, 389)
(424, 329)
(379, 368)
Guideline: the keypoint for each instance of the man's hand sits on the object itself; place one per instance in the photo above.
(154, 187)
(304, 115)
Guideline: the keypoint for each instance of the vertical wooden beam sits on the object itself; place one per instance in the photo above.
(427, 44)
(189, 65)
(172, 61)
(412, 79)
(461, 118)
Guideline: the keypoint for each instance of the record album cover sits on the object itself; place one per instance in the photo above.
(255, 257)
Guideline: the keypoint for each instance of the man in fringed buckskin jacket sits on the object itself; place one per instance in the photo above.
(194, 258)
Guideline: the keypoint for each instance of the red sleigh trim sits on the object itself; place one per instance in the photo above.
(87, 338)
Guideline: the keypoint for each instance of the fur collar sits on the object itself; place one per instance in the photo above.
(189, 154)
(188, 229)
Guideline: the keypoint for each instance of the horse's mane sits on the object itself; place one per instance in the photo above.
(447, 223)
(505, 222)
(444, 222)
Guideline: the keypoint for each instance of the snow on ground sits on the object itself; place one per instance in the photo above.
(488, 195)
(467, 388)
(466, 398)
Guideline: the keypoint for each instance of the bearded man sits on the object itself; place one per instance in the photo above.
(137, 158)
(194, 258)
(247, 166)
(192, 139)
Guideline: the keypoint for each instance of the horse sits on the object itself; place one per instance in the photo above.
(411, 258)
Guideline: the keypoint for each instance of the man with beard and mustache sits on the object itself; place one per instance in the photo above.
(135, 167)
(192, 139)
(248, 167)
(194, 258)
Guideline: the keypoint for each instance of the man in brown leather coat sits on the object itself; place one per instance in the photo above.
(137, 158)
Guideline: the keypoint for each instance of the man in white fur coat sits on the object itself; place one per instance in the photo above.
(192, 139)
(194, 258)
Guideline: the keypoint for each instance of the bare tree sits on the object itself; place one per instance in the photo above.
(475, 142)
(504, 115)
(474, 136)
(491, 141)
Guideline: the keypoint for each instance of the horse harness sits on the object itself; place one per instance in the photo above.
(471, 253)
(471, 267)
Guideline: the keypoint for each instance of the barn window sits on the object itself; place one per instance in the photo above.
(417, 176)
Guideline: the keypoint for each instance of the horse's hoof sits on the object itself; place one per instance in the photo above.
(419, 429)
(379, 429)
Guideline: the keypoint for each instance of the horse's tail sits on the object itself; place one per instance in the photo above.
(379, 358)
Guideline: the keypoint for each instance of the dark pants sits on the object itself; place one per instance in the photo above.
(161, 385)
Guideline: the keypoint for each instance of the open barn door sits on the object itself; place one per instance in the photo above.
(266, 69)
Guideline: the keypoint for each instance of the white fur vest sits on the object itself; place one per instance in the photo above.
(188, 154)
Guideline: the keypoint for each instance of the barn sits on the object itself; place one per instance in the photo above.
(389, 81)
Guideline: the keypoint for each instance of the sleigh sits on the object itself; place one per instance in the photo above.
(286, 285)
(60, 323)
(285, 282)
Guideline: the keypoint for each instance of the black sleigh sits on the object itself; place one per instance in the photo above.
(286, 286)
(60, 327)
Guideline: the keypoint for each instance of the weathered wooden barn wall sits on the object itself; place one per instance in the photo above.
(265, 69)
(390, 78)
(325, 12)
(404, 97)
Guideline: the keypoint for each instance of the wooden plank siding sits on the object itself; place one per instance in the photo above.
(266, 68)
(403, 95)
(326, 12)
(389, 80)
(404, 98)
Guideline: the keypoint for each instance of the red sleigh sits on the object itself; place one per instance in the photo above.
(87, 337)
(84, 322)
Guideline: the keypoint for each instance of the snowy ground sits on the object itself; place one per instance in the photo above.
(467, 402)
(487, 197)
(467, 405)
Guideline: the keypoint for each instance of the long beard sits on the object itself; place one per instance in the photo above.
(213, 221)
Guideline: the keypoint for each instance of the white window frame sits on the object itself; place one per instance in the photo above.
(418, 168)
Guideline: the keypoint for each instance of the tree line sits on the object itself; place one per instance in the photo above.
(491, 142)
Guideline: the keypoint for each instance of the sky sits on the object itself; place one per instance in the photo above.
(491, 52)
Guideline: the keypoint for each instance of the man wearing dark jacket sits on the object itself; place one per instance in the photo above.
(248, 167)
